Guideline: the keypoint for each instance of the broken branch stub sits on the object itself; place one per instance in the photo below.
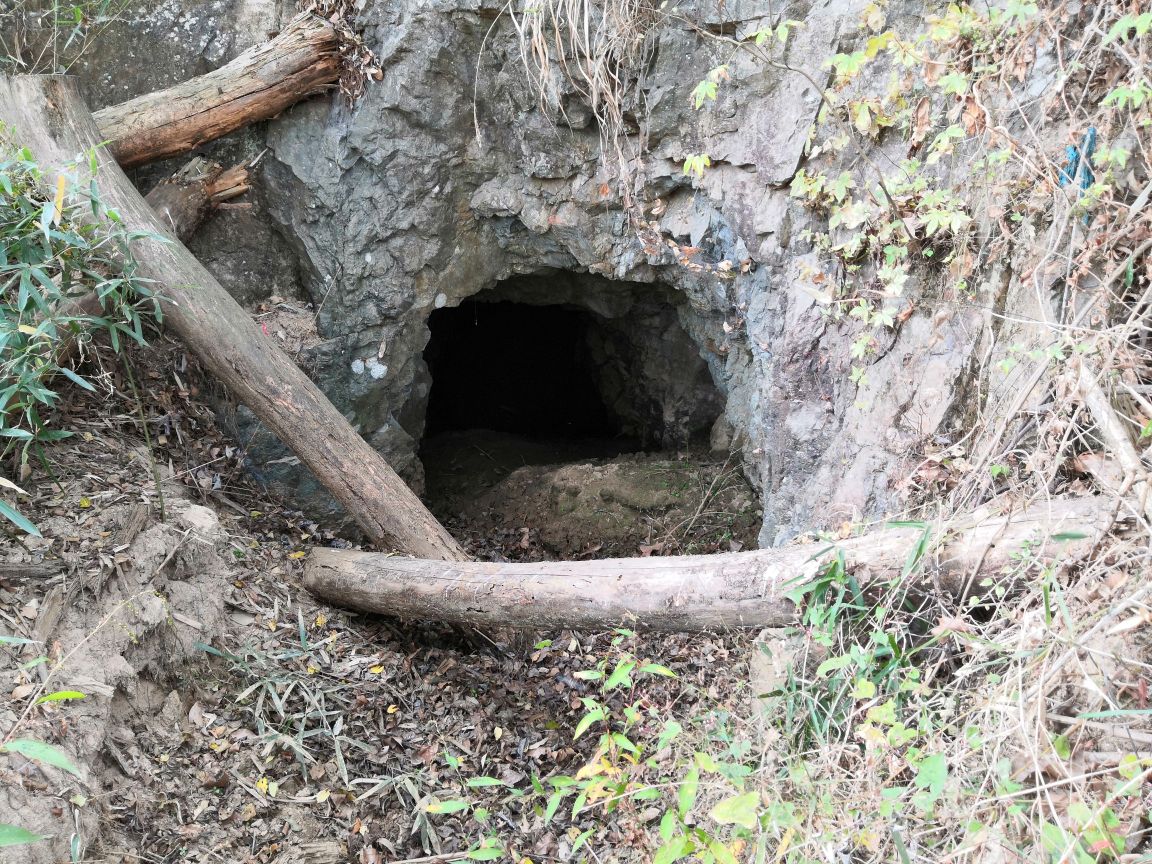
(55, 125)
(696, 592)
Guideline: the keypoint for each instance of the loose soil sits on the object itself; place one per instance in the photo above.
(229, 717)
(513, 498)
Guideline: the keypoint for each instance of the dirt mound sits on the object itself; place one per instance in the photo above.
(631, 505)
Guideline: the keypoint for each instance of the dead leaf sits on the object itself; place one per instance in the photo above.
(1103, 469)
(933, 69)
(972, 116)
(922, 121)
(948, 624)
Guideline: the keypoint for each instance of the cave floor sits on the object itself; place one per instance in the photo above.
(510, 497)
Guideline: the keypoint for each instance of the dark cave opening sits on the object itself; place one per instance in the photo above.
(553, 369)
(514, 368)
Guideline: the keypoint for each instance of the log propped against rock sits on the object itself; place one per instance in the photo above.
(304, 59)
(697, 592)
(55, 125)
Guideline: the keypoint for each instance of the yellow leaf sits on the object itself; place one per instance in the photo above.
(392, 709)
(497, 733)
(376, 670)
(321, 620)
(312, 670)
(27, 329)
(785, 842)
(262, 785)
(297, 555)
(590, 770)
(322, 796)
(85, 503)
(58, 204)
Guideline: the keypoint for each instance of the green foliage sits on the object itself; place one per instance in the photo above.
(40, 752)
(14, 835)
(50, 36)
(695, 163)
(59, 243)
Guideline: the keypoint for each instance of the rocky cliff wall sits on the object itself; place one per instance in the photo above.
(449, 176)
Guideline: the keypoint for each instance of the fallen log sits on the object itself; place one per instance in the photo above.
(55, 125)
(695, 592)
(304, 59)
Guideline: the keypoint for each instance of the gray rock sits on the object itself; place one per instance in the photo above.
(449, 179)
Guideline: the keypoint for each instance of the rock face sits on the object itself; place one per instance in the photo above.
(449, 178)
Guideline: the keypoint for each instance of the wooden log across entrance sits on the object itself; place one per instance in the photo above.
(697, 592)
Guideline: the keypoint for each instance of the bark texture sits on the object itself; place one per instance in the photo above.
(302, 60)
(185, 199)
(697, 592)
(55, 124)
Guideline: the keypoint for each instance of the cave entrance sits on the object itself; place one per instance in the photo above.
(553, 369)
(520, 370)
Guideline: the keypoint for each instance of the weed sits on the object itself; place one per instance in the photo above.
(67, 275)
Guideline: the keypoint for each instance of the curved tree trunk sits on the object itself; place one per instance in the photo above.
(302, 60)
(696, 592)
(53, 122)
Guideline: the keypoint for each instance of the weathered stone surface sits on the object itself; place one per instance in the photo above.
(447, 178)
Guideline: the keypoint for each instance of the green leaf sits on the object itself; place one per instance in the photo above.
(832, 664)
(1062, 536)
(61, 696)
(673, 850)
(586, 721)
(41, 752)
(657, 669)
(17, 640)
(932, 773)
(671, 729)
(18, 519)
(721, 852)
(621, 675)
(486, 853)
(481, 782)
(686, 797)
(454, 805)
(738, 810)
(553, 805)
(14, 835)
(581, 840)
